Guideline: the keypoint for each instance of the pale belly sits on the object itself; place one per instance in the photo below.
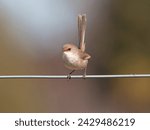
(73, 61)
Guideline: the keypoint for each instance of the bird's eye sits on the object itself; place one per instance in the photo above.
(69, 49)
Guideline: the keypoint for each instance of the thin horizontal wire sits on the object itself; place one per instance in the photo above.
(73, 76)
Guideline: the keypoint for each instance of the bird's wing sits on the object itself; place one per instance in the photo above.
(81, 30)
(85, 56)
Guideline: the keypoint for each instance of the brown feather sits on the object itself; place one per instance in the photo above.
(81, 30)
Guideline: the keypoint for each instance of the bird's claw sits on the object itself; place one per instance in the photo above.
(84, 76)
(68, 76)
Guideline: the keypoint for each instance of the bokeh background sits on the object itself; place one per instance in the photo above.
(32, 33)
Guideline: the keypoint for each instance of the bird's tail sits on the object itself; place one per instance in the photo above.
(81, 31)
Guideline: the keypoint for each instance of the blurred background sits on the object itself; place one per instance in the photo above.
(32, 34)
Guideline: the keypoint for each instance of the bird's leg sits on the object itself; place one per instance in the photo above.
(84, 74)
(69, 75)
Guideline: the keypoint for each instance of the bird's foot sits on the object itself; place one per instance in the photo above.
(68, 76)
(84, 76)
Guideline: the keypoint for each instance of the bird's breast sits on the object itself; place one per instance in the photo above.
(70, 57)
(73, 61)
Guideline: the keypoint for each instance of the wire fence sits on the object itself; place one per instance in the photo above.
(73, 76)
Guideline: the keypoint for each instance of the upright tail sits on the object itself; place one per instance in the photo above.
(82, 21)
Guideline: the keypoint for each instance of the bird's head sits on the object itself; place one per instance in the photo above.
(69, 47)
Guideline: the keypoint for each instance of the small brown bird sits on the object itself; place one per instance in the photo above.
(76, 58)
